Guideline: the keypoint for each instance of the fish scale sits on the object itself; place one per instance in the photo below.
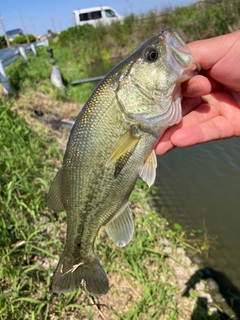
(110, 146)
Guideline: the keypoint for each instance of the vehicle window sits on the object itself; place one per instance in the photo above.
(96, 15)
(83, 16)
(110, 13)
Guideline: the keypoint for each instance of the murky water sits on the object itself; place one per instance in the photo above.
(200, 189)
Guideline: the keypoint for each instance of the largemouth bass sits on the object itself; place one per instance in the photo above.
(110, 146)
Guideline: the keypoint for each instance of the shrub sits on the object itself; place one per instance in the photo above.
(3, 43)
(22, 39)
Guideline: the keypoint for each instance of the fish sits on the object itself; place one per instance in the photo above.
(110, 146)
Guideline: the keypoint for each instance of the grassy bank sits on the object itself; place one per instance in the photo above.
(142, 283)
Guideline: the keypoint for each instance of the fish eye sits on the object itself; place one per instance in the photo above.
(151, 54)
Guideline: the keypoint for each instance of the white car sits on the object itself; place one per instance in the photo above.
(93, 16)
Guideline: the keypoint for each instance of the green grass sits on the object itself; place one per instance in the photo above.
(25, 168)
(32, 239)
(205, 19)
(36, 75)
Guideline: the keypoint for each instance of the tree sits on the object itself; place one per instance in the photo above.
(3, 43)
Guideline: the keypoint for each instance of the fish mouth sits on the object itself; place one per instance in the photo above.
(179, 55)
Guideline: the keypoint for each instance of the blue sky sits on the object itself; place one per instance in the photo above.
(41, 15)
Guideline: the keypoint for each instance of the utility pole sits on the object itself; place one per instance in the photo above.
(23, 25)
(4, 31)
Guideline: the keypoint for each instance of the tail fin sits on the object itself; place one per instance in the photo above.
(88, 276)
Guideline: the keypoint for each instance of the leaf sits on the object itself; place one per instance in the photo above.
(177, 226)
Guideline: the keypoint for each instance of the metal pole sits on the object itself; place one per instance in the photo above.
(4, 80)
(24, 28)
(4, 31)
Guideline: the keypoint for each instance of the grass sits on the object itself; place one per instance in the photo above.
(36, 75)
(25, 166)
(205, 19)
(32, 239)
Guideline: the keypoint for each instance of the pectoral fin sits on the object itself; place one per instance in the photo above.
(54, 201)
(120, 229)
(148, 172)
(125, 143)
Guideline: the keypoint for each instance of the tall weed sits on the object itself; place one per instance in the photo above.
(205, 19)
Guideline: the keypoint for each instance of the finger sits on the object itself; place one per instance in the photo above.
(219, 55)
(200, 85)
(165, 144)
(196, 86)
(214, 129)
(208, 52)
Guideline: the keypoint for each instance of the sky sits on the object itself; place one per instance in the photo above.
(39, 16)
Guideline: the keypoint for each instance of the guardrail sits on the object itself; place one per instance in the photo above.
(9, 55)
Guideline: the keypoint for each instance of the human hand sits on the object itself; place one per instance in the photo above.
(211, 102)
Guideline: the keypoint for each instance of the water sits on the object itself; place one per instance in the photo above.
(199, 188)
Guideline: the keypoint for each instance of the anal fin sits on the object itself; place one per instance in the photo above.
(148, 171)
(120, 229)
